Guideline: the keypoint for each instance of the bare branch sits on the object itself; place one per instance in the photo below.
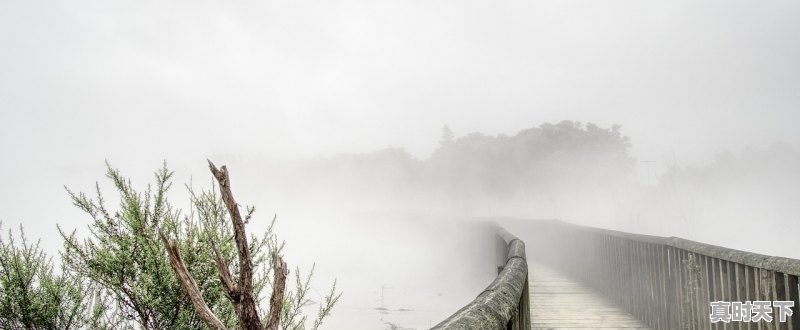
(239, 235)
(246, 309)
(238, 290)
(278, 287)
(189, 286)
(230, 286)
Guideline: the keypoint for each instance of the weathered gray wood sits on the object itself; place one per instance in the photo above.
(559, 302)
(793, 293)
(781, 264)
(498, 306)
(664, 282)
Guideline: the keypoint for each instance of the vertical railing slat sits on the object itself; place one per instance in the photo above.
(794, 295)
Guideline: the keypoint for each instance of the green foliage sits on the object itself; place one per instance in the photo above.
(32, 294)
(126, 261)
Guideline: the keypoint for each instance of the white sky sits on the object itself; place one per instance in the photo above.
(86, 80)
(136, 82)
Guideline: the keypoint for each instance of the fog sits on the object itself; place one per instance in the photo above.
(674, 119)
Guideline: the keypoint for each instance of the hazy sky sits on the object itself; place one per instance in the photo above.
(136, 82)
(81, 81)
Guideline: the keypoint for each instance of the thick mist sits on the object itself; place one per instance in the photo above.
(377, 131)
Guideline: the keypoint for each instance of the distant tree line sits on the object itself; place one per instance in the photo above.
(533, 162)
(778, 162)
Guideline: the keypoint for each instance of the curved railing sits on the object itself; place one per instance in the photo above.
(667, 282)
(504, 303)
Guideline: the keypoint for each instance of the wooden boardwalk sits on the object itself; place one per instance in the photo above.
(558, 302)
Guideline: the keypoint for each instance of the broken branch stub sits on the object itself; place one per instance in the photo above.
(278, 288)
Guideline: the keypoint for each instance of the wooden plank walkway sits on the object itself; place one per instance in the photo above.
(557, 302)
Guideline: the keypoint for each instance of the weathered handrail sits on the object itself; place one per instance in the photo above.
(781, 264)
(504, 303)
(666, 282)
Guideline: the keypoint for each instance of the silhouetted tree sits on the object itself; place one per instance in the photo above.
(447, 136)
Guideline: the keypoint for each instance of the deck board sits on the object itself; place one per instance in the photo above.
(557, 302)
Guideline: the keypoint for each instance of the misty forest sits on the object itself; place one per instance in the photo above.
(399, 165)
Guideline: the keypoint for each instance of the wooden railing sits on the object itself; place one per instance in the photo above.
(504, 303)
(667, 282)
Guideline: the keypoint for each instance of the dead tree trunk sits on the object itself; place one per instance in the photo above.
(238, 289)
